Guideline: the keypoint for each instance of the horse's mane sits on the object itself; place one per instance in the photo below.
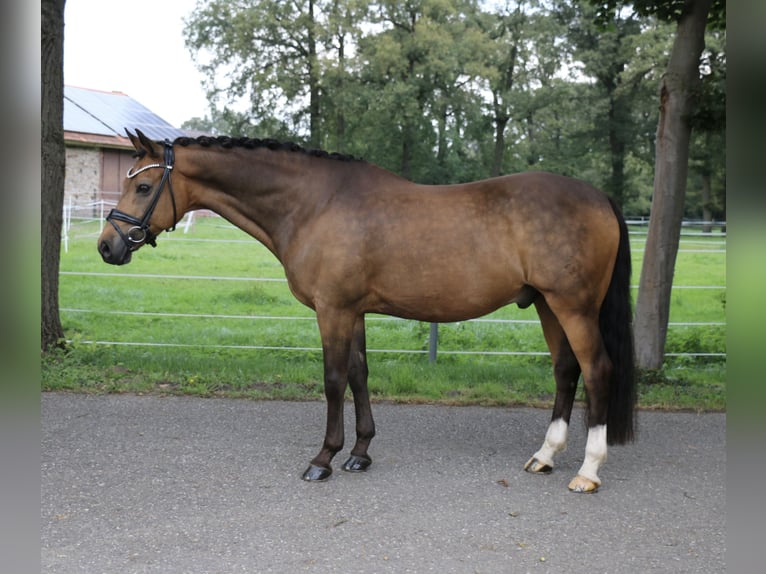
(253, 143)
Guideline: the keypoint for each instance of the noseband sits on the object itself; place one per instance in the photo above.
(140, 232)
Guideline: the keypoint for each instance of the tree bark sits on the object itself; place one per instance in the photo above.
(53, 163)
(678, 91)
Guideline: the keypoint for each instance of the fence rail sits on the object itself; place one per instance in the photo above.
(266, 279)
(431, 351)
(97, 210)
(312, 318)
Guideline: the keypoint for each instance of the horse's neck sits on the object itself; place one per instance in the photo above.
(267, 194)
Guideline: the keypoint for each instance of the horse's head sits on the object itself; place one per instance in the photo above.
(147, 204)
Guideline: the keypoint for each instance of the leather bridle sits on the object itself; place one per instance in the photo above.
(140, 232)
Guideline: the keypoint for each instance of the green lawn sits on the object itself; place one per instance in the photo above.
(156, 325)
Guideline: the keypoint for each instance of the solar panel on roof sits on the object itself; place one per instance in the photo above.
(76, 119)
(109, 113)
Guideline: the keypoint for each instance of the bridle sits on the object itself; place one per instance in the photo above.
(140, 232)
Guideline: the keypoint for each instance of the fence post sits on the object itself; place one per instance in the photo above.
(189, 218)
(433, 341)
(66, 223)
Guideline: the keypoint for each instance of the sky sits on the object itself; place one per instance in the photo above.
(137, 48)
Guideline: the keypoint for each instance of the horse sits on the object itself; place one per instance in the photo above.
(354, 238)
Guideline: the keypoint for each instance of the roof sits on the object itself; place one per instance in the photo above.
(96, 117)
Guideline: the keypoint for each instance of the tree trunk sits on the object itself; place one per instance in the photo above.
(341, 114)
(315, 133)
(678, 90)
(501, 122)
(502, 116)
(53, 159)
(408, 125)
(442, 143)
(707, 213)
(532, 156)
(616, 186)
(407, 146)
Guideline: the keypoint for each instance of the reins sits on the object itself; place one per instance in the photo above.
(140, 232)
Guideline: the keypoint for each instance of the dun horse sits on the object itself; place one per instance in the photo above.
(354, 239)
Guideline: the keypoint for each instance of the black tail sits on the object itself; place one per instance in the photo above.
(616, 326)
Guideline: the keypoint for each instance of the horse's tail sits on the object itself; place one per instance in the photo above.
(615, 321)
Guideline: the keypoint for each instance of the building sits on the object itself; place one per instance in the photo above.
(98, 153)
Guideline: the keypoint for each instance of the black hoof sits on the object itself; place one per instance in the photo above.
(357, 463)
(536, 467)
(316, 473)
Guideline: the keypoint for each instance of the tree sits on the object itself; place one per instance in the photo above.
(416, 68)
(269, 51)
(443, 91)
(679, 90)
(707, 158)
(505, 30)
(554, 110)
(619, 51)
(339, 85)
(400, 64)
(53, 163)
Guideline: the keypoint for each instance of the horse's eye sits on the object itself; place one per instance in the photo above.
(143, 188)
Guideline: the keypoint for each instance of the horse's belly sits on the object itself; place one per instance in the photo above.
(447, 298)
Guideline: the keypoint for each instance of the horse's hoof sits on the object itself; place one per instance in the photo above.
(537, 467)
(581, 484)
(357, 463)
(316, 473)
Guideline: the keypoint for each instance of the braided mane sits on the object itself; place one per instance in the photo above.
(253, 143)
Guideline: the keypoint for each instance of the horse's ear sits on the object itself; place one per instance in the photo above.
(133, 139)
(145, 143)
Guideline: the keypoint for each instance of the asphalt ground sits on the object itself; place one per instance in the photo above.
(139, 484)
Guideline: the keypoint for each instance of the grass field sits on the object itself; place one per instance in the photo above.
(188, 317)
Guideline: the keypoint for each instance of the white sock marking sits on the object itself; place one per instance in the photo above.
(595, 453)
(555, 441)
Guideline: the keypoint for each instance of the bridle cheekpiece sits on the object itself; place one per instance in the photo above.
(140, 232)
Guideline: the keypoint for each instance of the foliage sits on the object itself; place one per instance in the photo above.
(667, 10)
(707, 188)
(444, 91)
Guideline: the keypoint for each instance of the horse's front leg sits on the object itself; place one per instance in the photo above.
(336, 330)
(357, 378)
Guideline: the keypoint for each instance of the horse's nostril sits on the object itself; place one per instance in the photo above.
(105, 250)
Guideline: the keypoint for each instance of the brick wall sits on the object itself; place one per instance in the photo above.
(83, 178)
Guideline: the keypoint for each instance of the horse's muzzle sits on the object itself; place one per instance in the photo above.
(114, 251)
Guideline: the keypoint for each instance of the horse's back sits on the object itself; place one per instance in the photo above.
(528, 225)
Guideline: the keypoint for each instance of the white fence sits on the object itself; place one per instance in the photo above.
(75, 216)
(85, 214)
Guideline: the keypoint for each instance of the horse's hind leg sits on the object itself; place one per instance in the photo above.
(584, 336)
(566, 372)
(357, 378)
